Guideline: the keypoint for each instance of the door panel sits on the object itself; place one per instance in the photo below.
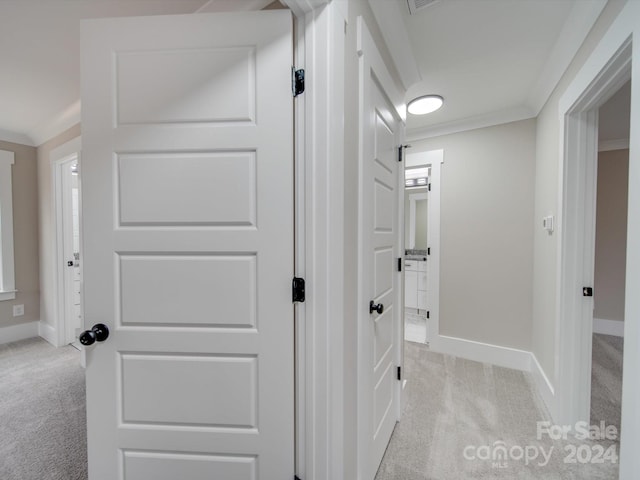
(381, 247)
(188, 199)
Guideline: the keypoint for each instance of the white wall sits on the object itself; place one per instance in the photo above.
(486, 233)
(545, 265)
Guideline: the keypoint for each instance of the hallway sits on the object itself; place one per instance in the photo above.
(455, 407)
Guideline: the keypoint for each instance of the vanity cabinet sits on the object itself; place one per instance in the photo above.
(415, 284)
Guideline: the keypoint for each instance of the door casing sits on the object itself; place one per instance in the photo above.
(57, 333)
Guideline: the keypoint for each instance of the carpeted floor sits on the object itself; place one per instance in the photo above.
(454, 408)
(459, 413)
(606, 379)
(42, 412)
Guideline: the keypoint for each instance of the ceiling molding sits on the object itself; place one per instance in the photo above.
(578, 25)
(62, 122)
(233, 6)
(394, 31)
(472, 123)
(618, 144)
(302, 7)
(14, 137)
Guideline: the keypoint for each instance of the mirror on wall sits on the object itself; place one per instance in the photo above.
(415, 208)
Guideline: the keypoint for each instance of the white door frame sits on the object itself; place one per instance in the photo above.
(368, 51)
(607, 68)
(577, 250)
(59, 156)
(433, 159)
(319, 203)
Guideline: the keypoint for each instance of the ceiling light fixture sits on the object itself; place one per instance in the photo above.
(425, 104)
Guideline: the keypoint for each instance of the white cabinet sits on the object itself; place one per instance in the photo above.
(410, 288)
(415, 284)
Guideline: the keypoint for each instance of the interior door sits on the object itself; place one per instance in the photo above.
(380, 273)
(187, 136)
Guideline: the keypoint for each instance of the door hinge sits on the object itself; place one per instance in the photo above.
(428, 313)
(400, 149)
(399, 373)
(429, 187)
(297, 290)
(399, 264)
(587, 292)
(297, 81)
(428, 250)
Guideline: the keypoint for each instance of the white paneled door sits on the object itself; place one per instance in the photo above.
(187, 136)
(380, 276)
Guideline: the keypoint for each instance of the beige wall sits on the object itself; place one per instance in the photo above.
(611, 235)
(47, 236)
(25, 234)
(486, 233)
(545, 267)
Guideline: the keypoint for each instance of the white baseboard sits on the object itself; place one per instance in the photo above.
(22, 331)
(47, 332)
(608, 327)
(500, 356)
(544, 386)
(482, 352)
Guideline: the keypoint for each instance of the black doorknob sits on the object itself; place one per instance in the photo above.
(99, 333)
(373, 307)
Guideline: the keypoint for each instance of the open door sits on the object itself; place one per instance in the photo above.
(380, 281)
(187, 135)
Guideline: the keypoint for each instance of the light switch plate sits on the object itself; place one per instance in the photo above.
(547, 224)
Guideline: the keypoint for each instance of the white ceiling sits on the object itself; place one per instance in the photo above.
(492, 60)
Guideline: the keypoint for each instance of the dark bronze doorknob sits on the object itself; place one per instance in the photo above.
(373, 307)
(99, 333)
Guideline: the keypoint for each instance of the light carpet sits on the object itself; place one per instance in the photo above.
(42, 412)
(459, 412)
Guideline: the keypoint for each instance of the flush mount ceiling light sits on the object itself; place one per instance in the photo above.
(425, 104)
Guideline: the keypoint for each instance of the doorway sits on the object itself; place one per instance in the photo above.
(421, 246)
(68, 267)
(70, 220)
(610, 258)
(578, 235)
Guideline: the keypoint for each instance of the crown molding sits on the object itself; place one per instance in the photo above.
(62, 122)
(232, 6)
(15, 137)
(581, 19)
(471, 123)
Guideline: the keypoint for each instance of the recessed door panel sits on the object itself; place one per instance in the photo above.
(178, 86)
(189, 290)
(202, 390)
(178, 189)
(141, 465)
